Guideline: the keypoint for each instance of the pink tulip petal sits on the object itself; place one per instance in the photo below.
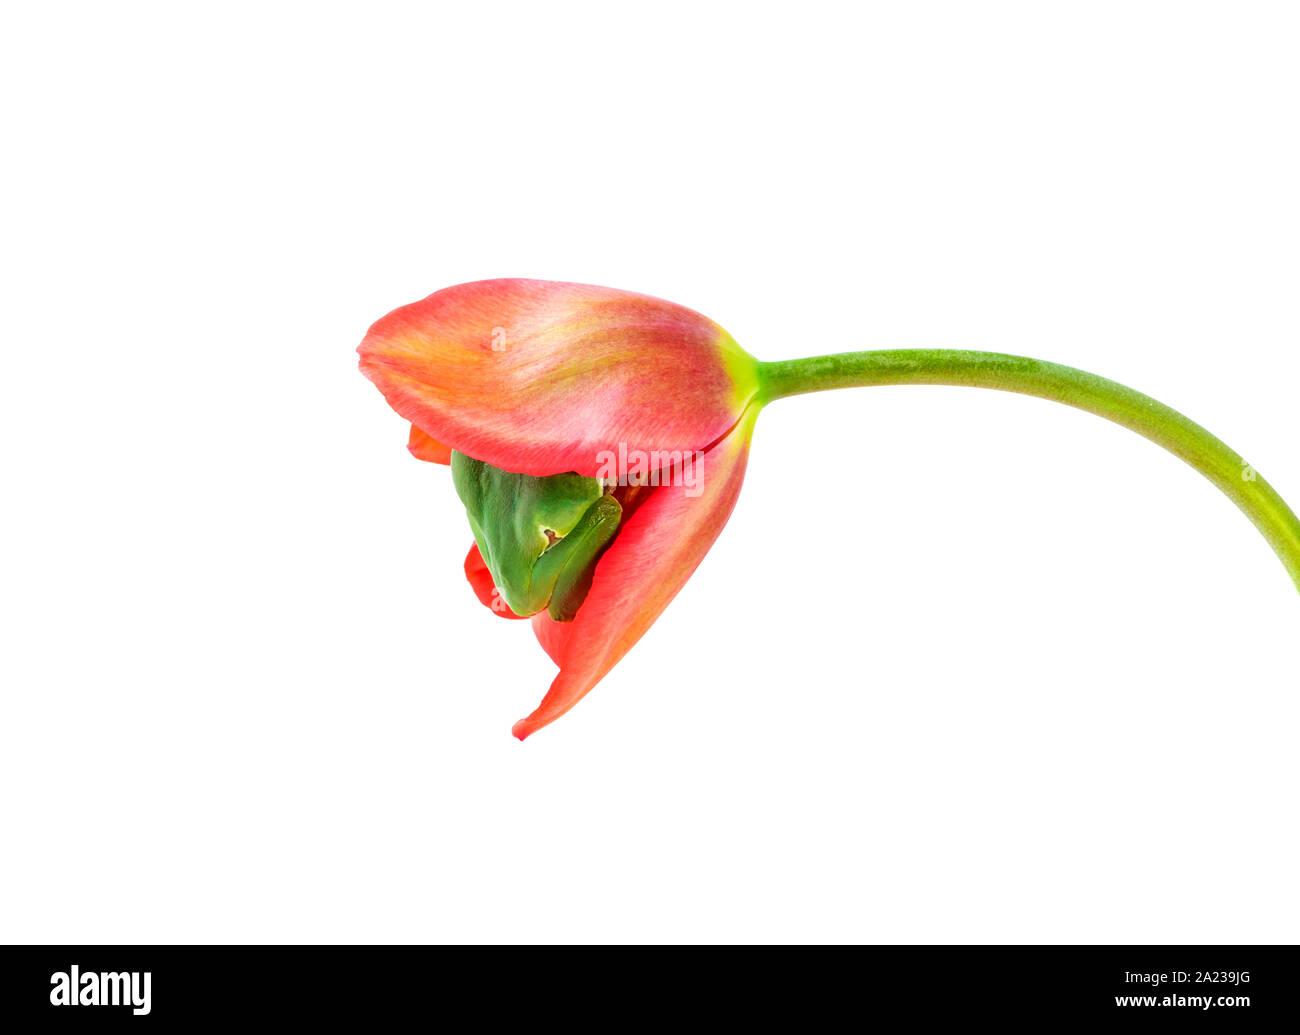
(541, 377)
(552, 635)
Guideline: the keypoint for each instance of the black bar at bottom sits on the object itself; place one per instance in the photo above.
(369, 987)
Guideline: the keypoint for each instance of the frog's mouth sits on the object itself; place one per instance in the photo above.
(629, 496)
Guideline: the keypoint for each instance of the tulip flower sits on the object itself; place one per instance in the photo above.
(598, 440)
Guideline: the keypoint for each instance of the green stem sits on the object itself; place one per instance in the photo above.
(1154, 420)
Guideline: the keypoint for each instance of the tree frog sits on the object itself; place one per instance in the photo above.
(539, 537)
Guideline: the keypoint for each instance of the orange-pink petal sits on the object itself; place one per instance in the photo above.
(541, 377)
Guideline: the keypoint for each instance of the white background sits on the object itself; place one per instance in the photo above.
(964, 667)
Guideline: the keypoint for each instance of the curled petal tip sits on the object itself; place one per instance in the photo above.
(424, 447)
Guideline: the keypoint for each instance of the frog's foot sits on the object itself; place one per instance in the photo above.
(580, 551)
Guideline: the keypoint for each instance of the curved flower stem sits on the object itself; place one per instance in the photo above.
(1154, 420)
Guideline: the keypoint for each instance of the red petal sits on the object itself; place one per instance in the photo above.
(552, 635)
(648, 562)
(423, 447)
(541, 377)
(484, 588)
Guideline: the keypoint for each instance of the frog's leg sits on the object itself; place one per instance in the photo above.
(571, 562)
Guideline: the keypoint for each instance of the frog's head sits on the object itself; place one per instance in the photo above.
(539, 537)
